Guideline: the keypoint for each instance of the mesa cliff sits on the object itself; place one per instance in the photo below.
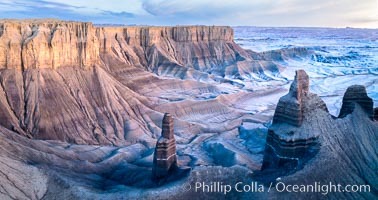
(47, 44)
(193, 52)
(74, 82)
(54, 44)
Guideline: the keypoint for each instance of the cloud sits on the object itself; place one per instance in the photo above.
(35, 9)
(116, 6)
(119, 14)
(266, 12)
(208, 12)
(199, 8)
(56, 9)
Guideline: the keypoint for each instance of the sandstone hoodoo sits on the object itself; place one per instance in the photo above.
(286, 142)
(290, 107)
(356, 94)
(165, 152)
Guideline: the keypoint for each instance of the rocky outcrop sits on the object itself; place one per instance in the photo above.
(286, 142)
(301, 123)
(165, 151)
(356, 94)
(376, 114)
(291, 108)
(325, 148)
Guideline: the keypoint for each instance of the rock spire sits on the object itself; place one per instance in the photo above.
(286, 141)
(290, 107)
(165, 152)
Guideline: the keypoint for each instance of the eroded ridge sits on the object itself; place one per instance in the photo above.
(356, 94)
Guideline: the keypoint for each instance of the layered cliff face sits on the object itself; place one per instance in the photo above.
(47, 44)
(195, 52)
(186, 52)
(85, 107)
(74, 82)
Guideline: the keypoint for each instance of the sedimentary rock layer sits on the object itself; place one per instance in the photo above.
(195, 52)
(356, 94)
(47, 44)
(75, 82)
(347, 153)
(290, 142)
(165, 150)
(53, 44)
(291, 108)
(85, 107)
(285, 140)
(184, 52)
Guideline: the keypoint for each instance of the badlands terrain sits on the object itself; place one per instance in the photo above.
(81, 109)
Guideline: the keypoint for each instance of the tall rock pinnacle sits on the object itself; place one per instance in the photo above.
(290, 107)
(165, 151)
(286, 144)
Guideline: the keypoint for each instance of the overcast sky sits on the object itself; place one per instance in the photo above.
(317, 13)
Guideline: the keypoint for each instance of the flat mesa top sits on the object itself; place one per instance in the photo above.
(53, 20)
(35, 20)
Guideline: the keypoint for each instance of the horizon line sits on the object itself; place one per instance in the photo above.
(109, 24)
